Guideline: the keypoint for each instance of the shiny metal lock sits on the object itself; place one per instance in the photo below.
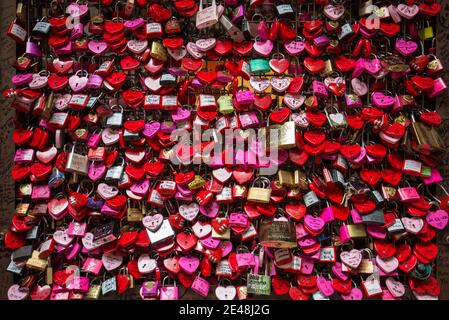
(375, 217)
(310, 199)
(115, 172)
(158, 51)
(345, 31)
(260, 191)
(286, 178)
(41, 28)
(130, 136)
(115, 120)
(396, 227)
(234, 32)
(167, 79)
(277, 234)
(76, 162)
(287, 135)
(135, 211)
(109, 286)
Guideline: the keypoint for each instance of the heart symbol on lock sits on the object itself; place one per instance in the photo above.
(430, 9)
(110, 136)
(390, 29)
(194, 51)
(206, 44)
(344, 64)
(189, 212)
(325, 286)
(172, 264)
(313, 66)
(263, 102)
(15, 292)
(370, 176)
(96, 170)
(57, 208)
(189, 264)
(224, 47)
(62, 66)
(406, 11)
(97, 46)
(396, 288)
(146, 264)
(77, 83)
(294, 47)
(437, 219)
(129, 63)
(334, 12)
(153, 222)
(280, 116)
(314, 138)
(225, 293)
(294, 102)
(351, 258)
(56, 82)
(210, 243)
(61, 237)
(280, 286)
(391, 176)
(106, 191)
(111, 261)
(381, 100)
(263, 48)
(313, 223)
(354, 294)
(153, 84)
(387, 265)
(47, 156)
(406, 47)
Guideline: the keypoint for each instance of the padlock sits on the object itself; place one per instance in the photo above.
(233, 31)
(16, 32)
(158, 51)
(76, 162)
(134, 213)
(260, 191)
(286, 178)
(115, 172)
(259, 66)
(41, 28)
(115, 120)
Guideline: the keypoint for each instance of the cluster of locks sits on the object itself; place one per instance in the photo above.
(339, 203)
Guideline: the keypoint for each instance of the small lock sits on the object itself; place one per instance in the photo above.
(426, 33)
(130, 136)
(396, 227)
(135, 211)
(287, 135)
(286, 178)
(234, 32)
(375, 217)
(41, 28)
(260, 191)
(285, 10)
(196, 183)
(300, 179)
(311, 199)
(345, 31)
(115, 172)
(76, 162)
(115, 120)
(158, 51)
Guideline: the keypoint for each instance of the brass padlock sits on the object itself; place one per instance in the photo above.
(277, 234)
(427, 138)
(36, 263)
(196, 183)
(328, 69)
(134, 213)
(93, 293)
(426, 33)
(260, 191)
(286, 178)
(158, 51)
(300, 179)
(287, 135)
(22, 208)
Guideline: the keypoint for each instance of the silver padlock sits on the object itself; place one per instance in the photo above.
(284, 10)
(116, 119)
(41, 28)
(167, 79)
(109, 286)
(375, 217)
(235, 33)
(338, 177)
(310, 199)
(345, 31)
(77, 162)
(115, 172)
(396, 227)
(130, 136)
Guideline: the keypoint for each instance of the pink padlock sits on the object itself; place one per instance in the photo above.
(78, 284)
(73, 250)
(21, 79)
(408, 194)
(92, 265)
(77, 229)
(321, 41)
(24, 156)
(248, 120)
(439, 87)
(435, 177)
(353, 100)
(356, 216)
(319, 89)
(94, 81)
(40, 192)
(94, 139)
(169, 292)
(66, 49)
(238, 219)
(77, 31)
(238, 14)
(32, 49)
(245, 97)
(201, 286)
(149, 289)
(327, 215)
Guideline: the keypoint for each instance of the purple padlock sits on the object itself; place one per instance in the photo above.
(77, 31)
(32, 49)
(95, 81)
(321, 41)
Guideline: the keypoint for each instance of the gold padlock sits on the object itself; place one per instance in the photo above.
(134, 214)
(427, 138)
(49, 275)
(300, 179)
(226, 235)
(277, 234)
(328, 69)
(286, 178)
(262, 193)
(356, 230)
(22, 209)
(93, 293)
(287, 135)
(46, 113)
(196, 183)
(158, 51)
(36, 263)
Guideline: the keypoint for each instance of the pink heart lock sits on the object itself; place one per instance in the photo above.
(405, 47)
(300, 231)
(111, 261)
(355, 294)
(77, 10)
(306, 242)
(359, 68)
(88, 241)
(110, 136)
(57, 208)
(151, 129)
(222, 174)
(106, 191)
(180, 115)
(38, 81)
(97, 46)
(201, 229)
(134, 23)
(61, 101)
(280, 84)
(137, 46)
(153, 222)
(135, 155)
(226, 247)
(396, 288)
(62, 237)
(146, 264)
(359, 87)
(387, 265)
(412, 225)
(179, 53)
(77, 31)
(380, 100)
(338, 272)
(94, 81)
(294, 47)
(210, 243)
(407, 12)
(351, 258)
(77, 83)
(205, 44)
(263, 48)
(96, 170)
(259, 84)
(140, 187)
(293, 101)
(307, 265)
(189, 264)
(16, 292)
(334, 12)
(387, 296)
(189, 211)
(372, 66)
(48, 155)
(210, 210)
(225, 292)
(325, 286)
(22, 78)
(194, 51)
(315, 224)
(437, 219)
(300, 119)
(72, 251)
